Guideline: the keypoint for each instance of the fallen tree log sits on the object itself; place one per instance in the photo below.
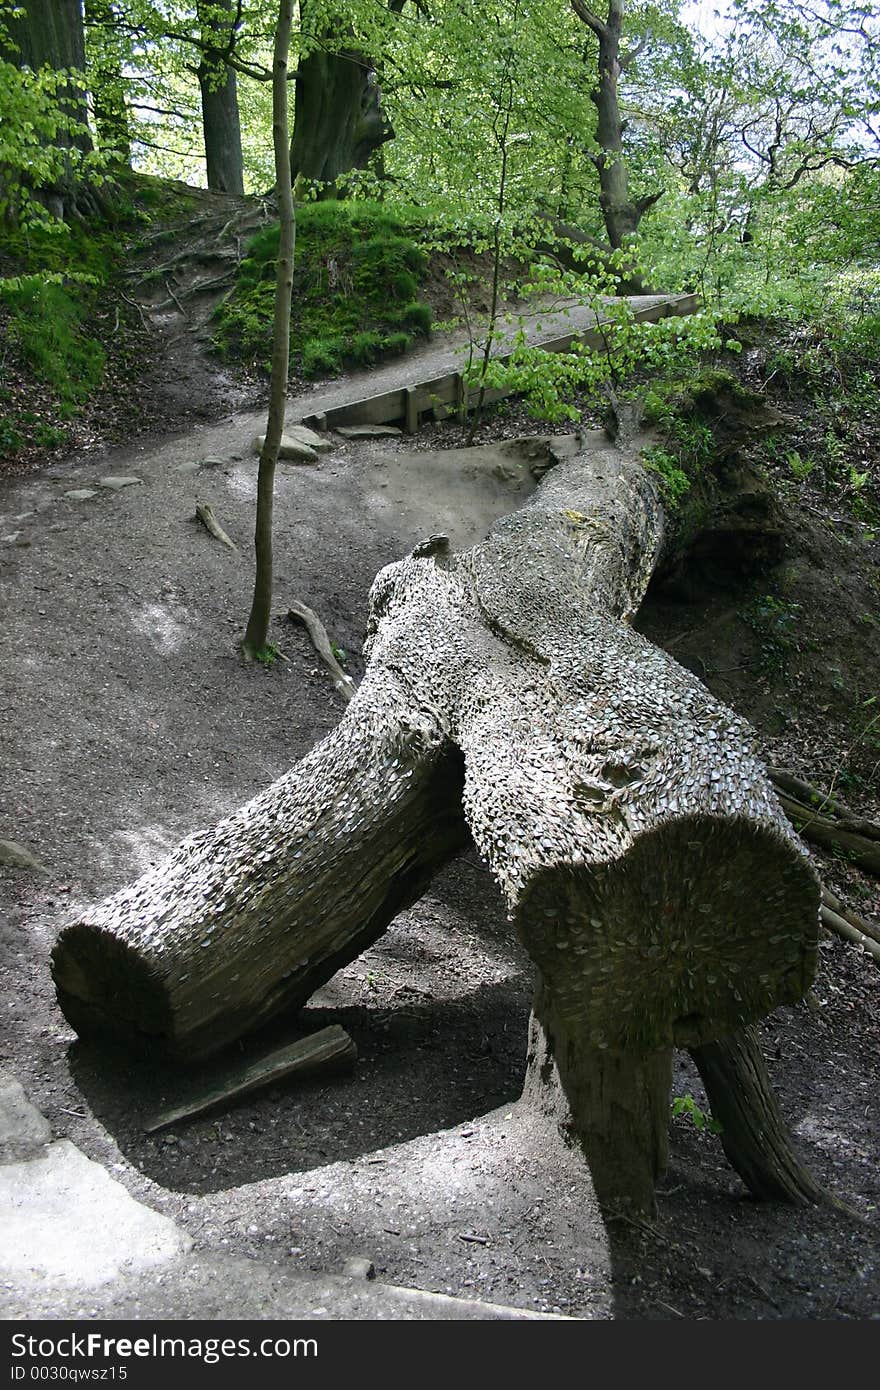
(861, 924)
(622, 810)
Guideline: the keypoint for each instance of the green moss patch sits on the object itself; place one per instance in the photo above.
(357, 273)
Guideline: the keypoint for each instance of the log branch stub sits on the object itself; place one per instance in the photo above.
(754, 1136)
(613, 1103)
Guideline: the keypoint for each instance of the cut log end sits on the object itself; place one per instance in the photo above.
(706, 923)
(105, 986)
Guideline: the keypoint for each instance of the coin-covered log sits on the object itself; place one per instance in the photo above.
(623, 811)
(250, 917)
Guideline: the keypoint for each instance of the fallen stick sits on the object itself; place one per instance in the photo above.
(830, 900)
(841, 927)
(328, 1047)
(206, 516)
(300, 613)
(858, 849)
(827, 804)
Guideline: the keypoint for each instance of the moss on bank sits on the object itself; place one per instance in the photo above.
(357, 274)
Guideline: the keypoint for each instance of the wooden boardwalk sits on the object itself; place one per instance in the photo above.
(431, 382)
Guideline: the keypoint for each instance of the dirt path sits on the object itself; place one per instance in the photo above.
(127, 720)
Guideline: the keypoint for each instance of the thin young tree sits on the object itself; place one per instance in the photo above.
(257, 631)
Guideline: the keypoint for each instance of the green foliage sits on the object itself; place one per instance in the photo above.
(357, 268)
(674, 482)
(800, 467)
(11, 440)
(687, 1106)
(775, 620)
(268, 655)
(46, 328)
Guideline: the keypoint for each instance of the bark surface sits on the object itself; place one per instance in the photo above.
(219, 96)
(621, 212)
(339, 120)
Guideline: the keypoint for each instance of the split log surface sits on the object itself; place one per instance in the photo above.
(624, 812)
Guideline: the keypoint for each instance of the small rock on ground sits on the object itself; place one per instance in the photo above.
(319, 442)
(290, 449)
(81, 494)
(117, 484)
(367, 431)
(15, 856)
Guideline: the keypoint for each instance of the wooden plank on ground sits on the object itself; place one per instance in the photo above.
(328, 1047)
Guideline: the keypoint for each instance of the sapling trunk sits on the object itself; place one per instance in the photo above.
(257, 631)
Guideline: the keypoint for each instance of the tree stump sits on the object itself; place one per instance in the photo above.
(624, 812)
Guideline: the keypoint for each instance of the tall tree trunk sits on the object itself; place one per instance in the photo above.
(622, 214)
(257, 631)
(338, 120)
(106, 81)
(219, 94)
(49, 33)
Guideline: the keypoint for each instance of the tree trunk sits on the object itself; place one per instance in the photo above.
(219, 94)
(592, 257)
(107, 82)
(623, 811)
(257, 631)
(49, 33)
(621, 213)
(339, 121)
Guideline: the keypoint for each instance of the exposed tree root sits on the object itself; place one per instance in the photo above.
(300, 613)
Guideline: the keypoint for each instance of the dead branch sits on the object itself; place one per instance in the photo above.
(831, 901)
(300, 613)
(835, 835)
(842, 928)
(206, 516)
